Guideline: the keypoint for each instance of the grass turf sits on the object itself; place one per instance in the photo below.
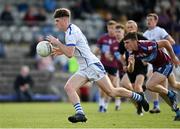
(54, 115)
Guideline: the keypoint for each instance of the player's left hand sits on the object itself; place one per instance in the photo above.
(53, 40)
(131, 59)
(56, 51)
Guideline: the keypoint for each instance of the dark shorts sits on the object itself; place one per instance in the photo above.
(132, 76)
(165, 69)
(111, 70)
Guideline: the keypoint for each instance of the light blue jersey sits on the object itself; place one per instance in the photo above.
(74, 37)
(155, 34)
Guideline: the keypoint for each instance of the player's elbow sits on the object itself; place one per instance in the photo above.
(173, 43)
(171, 40)
(167, 42)
(163, 43)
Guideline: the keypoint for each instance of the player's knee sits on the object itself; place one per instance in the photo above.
(110, 93)
(68, 88)
(149, 86)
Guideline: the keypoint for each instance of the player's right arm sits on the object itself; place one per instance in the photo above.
(170, 39)
(165, 35)
(67, 49)
(166, 44)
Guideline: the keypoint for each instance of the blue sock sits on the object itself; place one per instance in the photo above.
(78, 108)
(177, 112)
(136, 97)
(156, 104)
(170, 94)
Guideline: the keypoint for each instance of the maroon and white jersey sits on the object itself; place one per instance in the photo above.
(148, 52)
(107, 44)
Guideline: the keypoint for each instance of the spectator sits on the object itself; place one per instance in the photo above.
(106, 16)
(30, 16)
(50, 5)
(22, 6)
(6, 15)
(23, 84)
(87, 7)
(164, 19)
(123, 19)
(41, 16)
(77, 10)
(2, 50)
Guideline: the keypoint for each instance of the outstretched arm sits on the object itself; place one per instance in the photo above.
(166, 44)
(170, 39)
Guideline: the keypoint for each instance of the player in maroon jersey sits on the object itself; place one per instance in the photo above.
(106, 44)
(148, 51)
(133, 80)
(119, 36)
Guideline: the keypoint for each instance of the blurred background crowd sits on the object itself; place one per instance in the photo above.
(23, 23)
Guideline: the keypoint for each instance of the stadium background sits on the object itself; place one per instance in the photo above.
(24, 22)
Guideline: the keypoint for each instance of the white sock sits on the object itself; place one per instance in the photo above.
(117, 101)
(101, 101)
(106, 103)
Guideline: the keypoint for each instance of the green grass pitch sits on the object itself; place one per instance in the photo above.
(54, 115)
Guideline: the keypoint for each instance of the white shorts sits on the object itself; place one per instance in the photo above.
(93, 72)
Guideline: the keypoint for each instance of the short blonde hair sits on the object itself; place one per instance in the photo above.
(132, 22)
